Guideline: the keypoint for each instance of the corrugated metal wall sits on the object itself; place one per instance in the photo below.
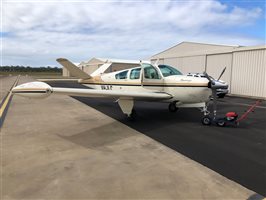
(245, 69)
(191, 48)
(191, 64)
(264, 94)
(248, 73)
(187, 64)
(171, 61)
(160, 61)
(216, 63)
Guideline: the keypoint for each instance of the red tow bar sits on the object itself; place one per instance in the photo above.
(251, 109)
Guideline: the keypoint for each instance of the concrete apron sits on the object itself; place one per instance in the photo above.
(59, 148)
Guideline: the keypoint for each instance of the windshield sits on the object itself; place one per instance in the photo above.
(168, 70)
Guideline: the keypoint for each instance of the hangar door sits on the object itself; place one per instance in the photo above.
(216, 63)
(171, 61)
(191, 64)
(160, 61)
(248, 73)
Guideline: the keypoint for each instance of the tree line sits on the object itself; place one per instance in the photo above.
(29, 69)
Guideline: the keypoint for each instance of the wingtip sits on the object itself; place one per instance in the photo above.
(61, 59)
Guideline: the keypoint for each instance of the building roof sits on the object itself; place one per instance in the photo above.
(109, 60)
(114, 60)
(192, 48)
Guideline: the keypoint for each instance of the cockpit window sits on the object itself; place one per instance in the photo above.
(168, 70)
(121, 75)
(135, 73)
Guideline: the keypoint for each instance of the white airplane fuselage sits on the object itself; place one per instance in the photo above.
(144, 83)
(183, 89)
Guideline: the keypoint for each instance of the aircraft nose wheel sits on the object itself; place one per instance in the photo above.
(172, 107)
(206, 120)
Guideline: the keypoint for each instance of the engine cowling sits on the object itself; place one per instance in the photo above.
(33, 90)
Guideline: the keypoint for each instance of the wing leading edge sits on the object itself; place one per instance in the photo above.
(40, 89)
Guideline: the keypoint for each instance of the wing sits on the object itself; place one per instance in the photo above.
(112, 94)
(41, 89)
(73, 69)
(57, 79)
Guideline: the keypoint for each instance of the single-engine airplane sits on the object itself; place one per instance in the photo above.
(147, 82)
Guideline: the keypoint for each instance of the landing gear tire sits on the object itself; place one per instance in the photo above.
(206, 120)
(221, 123)
(172, 107)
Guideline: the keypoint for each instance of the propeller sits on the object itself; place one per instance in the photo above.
(221, 74)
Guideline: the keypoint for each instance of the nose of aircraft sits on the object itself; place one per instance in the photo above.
(33, 90)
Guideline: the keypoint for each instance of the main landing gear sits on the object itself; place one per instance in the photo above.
(127, 107)
(172, 107)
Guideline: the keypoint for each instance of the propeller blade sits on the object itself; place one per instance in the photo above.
(221, 74)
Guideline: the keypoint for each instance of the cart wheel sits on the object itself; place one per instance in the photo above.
(221, 123)
(206, 120)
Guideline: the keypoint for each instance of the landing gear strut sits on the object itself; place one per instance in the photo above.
(172, 107)
(205, 110)
(206, 120)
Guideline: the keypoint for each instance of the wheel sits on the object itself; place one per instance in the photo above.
(221, 123)
(206, 120)
(172, 107)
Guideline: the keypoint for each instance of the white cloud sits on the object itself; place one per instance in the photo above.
(37, 33)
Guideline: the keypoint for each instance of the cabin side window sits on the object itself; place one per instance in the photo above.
(135, 73)
(151, 73)
(121, 75)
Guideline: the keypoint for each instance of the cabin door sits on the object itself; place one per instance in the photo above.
(151, 78)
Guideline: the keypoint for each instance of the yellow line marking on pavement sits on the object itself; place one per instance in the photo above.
(3, 107)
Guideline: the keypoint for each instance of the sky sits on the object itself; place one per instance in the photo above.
(36, 32)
